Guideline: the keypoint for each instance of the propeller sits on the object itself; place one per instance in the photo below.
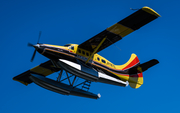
(35, 46)
(33, 55)
(30, 45)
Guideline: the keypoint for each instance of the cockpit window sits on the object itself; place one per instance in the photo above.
(72, 47)
(67, 45)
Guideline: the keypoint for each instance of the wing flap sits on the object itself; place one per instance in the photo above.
(43, 69)
(92, 43)
(119, 30)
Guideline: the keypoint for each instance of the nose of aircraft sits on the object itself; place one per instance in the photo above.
(39, 47)
(36, 46)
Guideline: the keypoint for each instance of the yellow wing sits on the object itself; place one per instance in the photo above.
(120, 29)
(43, 69)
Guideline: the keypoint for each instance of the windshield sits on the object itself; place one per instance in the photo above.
(67, 45)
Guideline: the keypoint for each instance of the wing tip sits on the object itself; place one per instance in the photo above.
(151, 11)
(25, 83)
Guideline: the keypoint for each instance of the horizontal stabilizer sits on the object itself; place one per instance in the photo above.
(143, 67)
(148, 64)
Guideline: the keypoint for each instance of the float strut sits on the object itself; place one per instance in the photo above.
(60, 75)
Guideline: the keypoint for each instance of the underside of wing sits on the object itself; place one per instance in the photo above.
(43, 69)
(119, 30)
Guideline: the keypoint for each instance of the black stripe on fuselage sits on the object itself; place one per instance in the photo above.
(58, 53)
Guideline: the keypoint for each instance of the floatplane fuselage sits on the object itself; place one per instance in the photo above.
(97, 69)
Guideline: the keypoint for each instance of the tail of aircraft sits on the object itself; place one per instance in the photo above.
(135, 69)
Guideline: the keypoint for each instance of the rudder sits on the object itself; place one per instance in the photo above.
(134, 70)
(135, 76)
(135, 73)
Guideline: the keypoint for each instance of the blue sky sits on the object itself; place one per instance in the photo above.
(70, 21)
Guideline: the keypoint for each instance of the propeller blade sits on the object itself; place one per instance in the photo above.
(30, 45)
(39, 36)
(33, 55)
(35, 46)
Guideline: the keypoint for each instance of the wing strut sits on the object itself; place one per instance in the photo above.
(96, 49)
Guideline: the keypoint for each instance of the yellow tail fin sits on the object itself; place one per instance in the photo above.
(135, 76)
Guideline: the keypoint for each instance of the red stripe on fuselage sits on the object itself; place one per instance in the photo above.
(134, 62)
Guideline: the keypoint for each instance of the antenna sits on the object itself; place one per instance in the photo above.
(134, 9)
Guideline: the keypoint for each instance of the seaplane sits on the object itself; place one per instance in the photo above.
(83, 61)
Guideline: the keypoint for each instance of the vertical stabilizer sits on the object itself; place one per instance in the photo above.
(135, 73)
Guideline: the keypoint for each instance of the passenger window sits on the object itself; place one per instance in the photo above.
(83, 52)
(79, 50)
(103, 61)
(87, 54)
(98, 58)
